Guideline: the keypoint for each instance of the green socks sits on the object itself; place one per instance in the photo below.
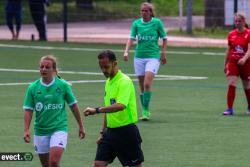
(141, 98)
(145, 100)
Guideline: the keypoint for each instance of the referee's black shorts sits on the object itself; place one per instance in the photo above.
(123, 143)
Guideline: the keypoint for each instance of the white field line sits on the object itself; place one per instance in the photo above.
(37, 71)
(14, 84)
(157, 77)
(98, 50)
(95, 73)
(101, 81)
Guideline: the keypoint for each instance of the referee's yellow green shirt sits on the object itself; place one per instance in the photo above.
(120, 89)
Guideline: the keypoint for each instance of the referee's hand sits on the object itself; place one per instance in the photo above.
(89, 111)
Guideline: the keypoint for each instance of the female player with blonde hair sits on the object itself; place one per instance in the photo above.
(148, 56)
(46, 98)
(237, 63)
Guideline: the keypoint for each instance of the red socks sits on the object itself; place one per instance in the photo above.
(231, 96)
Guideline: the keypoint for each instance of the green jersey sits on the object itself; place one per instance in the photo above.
(148, 34)
(120, 89)
(48, 102)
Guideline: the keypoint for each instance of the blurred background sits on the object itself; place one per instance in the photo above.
(77, 20)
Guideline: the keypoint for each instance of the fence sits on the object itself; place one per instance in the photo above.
(106, 19)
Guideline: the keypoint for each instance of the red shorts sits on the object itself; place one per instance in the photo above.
(232, 68)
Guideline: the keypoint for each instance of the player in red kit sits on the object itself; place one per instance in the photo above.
(237, 62)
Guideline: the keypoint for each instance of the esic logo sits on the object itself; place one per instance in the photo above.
(40, 106)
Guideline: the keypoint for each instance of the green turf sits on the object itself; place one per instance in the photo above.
(187, 127)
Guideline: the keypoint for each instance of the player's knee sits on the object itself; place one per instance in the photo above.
(147, 86)
(232, 83)
(45, 165)
(232, 80)
(54, 163)
(98, 164)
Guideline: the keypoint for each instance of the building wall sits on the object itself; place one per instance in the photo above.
(243, 6)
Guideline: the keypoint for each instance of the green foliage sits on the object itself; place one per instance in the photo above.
(170, 8)
(105, 9)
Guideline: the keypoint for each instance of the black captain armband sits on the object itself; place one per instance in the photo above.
(97, 110)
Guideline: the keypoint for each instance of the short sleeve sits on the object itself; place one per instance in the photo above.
(161, 30)
(133, 32)
(69, 95)
(124, 92)
(28, 99)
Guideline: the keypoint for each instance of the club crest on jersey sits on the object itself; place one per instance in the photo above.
(38, 92)
(239, 49)
(233, 37)
(112, 101)
(58, 90)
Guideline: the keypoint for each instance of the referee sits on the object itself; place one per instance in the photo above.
(38, 13)
(120, 136)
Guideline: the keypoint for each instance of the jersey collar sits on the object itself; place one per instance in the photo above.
(47, 85)
(117, 75)
(146, 22)
(242, 31)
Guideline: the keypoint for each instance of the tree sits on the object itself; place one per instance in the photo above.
(85, 4)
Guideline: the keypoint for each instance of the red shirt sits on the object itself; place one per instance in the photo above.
(238, 43)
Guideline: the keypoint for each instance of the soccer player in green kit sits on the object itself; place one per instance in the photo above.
(46, 97)
(120, 136)
(148, 55)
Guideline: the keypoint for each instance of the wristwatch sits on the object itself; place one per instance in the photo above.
(97, 111)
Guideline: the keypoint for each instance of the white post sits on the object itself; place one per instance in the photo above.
(180, 13)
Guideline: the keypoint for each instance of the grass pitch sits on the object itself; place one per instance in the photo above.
(187, 128)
